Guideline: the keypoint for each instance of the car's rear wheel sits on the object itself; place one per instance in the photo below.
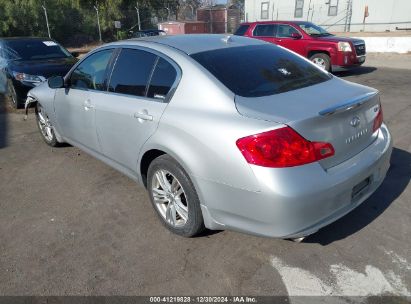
(322, 60)
(45, 127)
(13, 95)
(174, 198)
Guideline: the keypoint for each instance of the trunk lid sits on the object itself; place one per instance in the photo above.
(335, 111)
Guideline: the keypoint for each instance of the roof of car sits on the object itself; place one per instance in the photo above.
(151, 30)
(276, 21)
(25, 38)
(196, 43)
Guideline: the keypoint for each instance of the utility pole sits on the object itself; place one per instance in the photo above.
(47, 19)
(211, 20)
(98, 21)
(309, 9)
(168, 13)
(312, 13)
(138, 17)
(348, 16)
(194, 16)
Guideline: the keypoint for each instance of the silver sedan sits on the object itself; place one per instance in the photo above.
(225, 132)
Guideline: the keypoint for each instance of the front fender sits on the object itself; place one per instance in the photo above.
(45, 96)
(317, 47)
(30, 101)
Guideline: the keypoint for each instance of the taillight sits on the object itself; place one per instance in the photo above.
(281, 148)
(378, 120)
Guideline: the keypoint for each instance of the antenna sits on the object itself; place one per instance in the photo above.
(227, 39)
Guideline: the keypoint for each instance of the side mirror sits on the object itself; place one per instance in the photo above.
(296, 35)
(56, 82)
(75, 54)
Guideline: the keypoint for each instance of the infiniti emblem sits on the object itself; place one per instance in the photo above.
(355, 121)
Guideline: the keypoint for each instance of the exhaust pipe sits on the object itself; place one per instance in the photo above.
(298, 240)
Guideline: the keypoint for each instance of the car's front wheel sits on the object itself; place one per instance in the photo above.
(174, 198)
(13, 95)
(322, 60)
(45, 127)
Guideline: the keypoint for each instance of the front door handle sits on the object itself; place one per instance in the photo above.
(143, 115)
(88, 105)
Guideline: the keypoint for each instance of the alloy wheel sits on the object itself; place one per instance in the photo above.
(169, 198)
(13, 95)
(320, 62)
(44, 124)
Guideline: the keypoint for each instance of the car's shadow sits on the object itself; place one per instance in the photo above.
(357, 71)
(394, 184)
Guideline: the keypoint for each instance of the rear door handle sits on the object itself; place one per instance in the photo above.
(143, 115)
(88, 105)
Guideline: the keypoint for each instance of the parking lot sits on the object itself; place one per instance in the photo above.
(70, 225)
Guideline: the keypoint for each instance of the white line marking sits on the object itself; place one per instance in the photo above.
(398, 260)
(343, 281)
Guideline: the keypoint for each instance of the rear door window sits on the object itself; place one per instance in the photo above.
(285, 31)
(132, 72)
(163, 78)
(264, 69)
(241, 30)
(265, 30)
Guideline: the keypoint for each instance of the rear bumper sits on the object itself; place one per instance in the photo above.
(298, 201)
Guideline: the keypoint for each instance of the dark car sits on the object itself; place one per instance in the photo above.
(330, 52)
(147, 33)
(27, 62)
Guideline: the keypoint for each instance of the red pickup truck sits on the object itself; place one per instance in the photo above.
(309, 40)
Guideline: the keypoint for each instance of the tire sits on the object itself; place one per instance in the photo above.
(169, 205)
(45, 127)
(322, 60)
(13, 95)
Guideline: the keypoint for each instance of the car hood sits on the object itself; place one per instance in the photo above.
(45, 68)
(339, 38)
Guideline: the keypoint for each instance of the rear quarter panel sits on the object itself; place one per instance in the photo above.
(200, 126)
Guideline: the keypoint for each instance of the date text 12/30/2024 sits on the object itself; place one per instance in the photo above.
(203, 299)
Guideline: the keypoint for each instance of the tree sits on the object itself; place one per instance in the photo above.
(74, 22)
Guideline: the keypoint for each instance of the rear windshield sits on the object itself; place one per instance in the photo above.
(260, 70)
(241, 30)
(34, 50)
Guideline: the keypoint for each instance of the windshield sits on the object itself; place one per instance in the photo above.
(34, 50)
(313, 30)
(264, 69)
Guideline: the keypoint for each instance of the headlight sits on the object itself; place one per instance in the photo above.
(344, 46)
(28, 78)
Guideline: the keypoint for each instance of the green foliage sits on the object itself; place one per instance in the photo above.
(74, 22)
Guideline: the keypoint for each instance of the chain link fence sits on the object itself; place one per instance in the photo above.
(100, 26)
(74, 27)
(75, 23)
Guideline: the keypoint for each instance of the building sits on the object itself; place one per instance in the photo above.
(336, 15)
(183, 27)
(220, 18)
